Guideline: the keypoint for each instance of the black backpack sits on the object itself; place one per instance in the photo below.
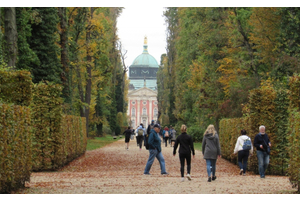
(147, 136)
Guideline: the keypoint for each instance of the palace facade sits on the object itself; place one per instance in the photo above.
(142, 94)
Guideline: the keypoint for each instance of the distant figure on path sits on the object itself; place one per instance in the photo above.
(173, 135)
(262, 143)
(154, 142)
(166, 134)
(141, 131)
(243, 151)
(185, 150)
(211, 150)
(127, 134)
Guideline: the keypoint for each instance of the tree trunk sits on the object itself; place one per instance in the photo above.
(64, 52)
(10, 35)
(88, 90)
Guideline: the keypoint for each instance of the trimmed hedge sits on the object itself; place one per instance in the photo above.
(16, 87)
(47, 118)
(267, 107)
(294, 148)
(15, 147)
(57, 139)
(293, 133)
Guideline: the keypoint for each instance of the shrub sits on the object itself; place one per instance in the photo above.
(16, 87)
(15, 147)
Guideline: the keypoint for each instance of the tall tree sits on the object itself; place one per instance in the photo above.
(43, 42)
(10, 36)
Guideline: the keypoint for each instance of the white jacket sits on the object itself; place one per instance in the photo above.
(240, 142)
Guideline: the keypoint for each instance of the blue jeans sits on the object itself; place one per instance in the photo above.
(152, 154)
(243, 159)
(263, 162)
(211, 163)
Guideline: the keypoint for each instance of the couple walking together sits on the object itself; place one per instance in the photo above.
(210, 149)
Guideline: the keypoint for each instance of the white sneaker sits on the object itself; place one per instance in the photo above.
(241, 171)
(182, 179)
(189, 177)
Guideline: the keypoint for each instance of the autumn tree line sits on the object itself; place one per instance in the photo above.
(77, 48)
(216, 56)
(236, 68)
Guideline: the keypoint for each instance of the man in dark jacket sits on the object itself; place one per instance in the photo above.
(261, 142)
(154, 142)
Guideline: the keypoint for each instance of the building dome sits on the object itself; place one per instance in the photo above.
(142, 72)
(145, 59)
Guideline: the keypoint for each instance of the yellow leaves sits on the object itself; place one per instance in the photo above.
(196, 71)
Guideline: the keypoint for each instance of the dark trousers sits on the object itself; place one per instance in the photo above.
(166, 141)
(243, 159)
(140, 140)
(182, 158)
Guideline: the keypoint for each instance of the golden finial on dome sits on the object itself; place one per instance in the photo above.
(145, 40)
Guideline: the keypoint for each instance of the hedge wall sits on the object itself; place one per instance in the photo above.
(294, 148)
(267, 107)
(16, 87)
(15, 147)
(293, 132)
(57, 139)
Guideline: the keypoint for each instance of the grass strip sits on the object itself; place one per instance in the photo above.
(99, 142)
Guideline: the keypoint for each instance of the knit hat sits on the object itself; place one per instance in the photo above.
(156, 125)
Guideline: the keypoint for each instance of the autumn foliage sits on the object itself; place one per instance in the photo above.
(36, 137)
(15, 146)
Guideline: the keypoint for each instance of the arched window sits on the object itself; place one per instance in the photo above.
(133, 111)
(144, 111)
(155, 112)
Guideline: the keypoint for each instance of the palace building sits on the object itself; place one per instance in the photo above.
(142, 94)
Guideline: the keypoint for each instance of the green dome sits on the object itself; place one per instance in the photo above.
(145, 59)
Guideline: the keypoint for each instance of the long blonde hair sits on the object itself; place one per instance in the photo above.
(210, 129)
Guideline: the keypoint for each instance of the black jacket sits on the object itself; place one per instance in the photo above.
(259, 140)
(127, 133)
(186, 144)
(149, 128)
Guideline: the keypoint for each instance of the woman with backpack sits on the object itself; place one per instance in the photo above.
(211, 150)
(243, 147)
(166, 135)
(141, 131)
(185, 150)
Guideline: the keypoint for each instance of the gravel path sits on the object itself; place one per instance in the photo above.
(114, 170)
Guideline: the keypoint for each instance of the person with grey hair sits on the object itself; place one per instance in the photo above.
(262, 144)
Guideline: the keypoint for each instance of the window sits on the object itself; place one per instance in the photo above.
(144, 111)
(133, 102)
(133, 111)
(144, 102)
(133, 123)
(155, 112)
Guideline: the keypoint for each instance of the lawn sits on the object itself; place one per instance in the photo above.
(198, 146)
(99, 142)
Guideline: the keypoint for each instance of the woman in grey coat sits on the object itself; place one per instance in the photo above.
(211, 150)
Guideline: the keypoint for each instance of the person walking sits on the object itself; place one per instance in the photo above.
(171, 135)
(211, 150)
(185, 150)
(141, 131)
(154, 142)
(166, 134)
(243, 147)
(262, 144)
(136, 136)
(127, 134)
(173, 139)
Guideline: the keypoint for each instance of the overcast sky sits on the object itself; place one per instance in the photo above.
(137, 22)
